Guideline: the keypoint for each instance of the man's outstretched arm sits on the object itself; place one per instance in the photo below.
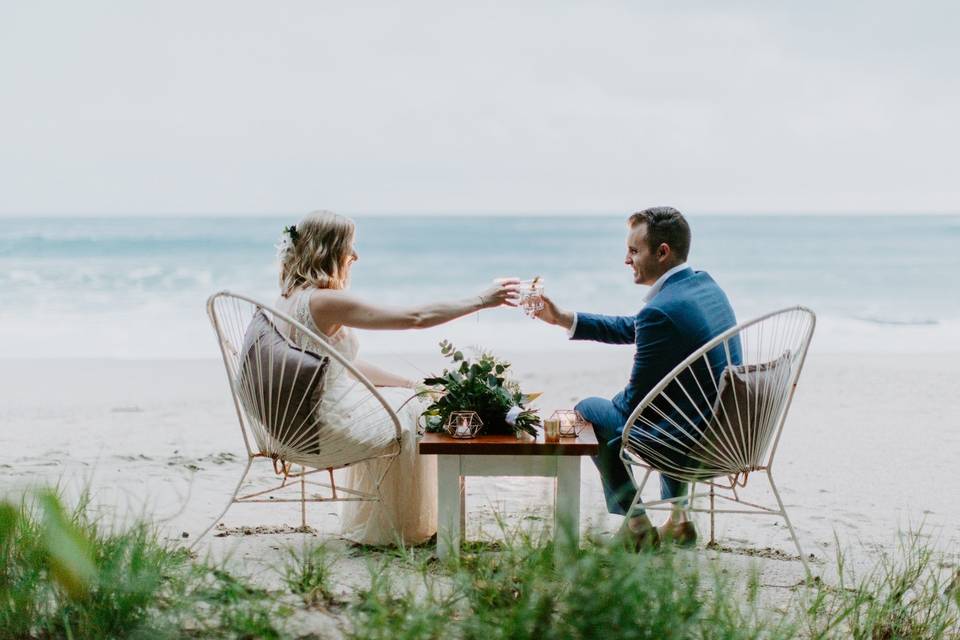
(590, 326)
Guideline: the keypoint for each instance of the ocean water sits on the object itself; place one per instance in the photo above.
(135, 287)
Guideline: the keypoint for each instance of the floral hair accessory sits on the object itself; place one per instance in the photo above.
(288, 240)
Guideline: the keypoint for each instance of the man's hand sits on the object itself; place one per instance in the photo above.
(552, 314)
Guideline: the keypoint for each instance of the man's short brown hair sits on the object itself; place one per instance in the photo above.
(665, 225)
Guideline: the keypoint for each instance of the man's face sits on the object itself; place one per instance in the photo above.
(647, 266)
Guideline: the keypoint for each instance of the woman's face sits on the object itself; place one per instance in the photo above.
(352, 257)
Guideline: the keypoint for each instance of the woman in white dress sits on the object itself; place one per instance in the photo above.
(316, 256)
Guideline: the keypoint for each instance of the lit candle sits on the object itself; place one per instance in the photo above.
(463, 429)
(551, 430)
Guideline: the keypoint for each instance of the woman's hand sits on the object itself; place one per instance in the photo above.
(381, 377)
(503, 291)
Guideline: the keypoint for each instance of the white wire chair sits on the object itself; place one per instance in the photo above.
(718, 415)
(262, 391)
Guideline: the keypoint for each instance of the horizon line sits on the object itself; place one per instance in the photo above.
(479, 214)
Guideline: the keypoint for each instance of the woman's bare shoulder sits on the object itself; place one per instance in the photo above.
(330, 298)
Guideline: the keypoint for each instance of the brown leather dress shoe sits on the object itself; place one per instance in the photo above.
(646, 539)
(682, 534)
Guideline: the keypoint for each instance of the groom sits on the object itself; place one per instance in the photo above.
(683, 310)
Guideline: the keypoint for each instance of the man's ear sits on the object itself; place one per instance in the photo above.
(663, 252)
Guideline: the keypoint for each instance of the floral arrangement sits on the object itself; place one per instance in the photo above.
(479, 385)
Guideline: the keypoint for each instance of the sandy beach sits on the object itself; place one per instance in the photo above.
(801, 155)
(869, 450)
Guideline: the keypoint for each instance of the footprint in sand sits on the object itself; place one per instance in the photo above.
(768, 553)
(223, 531)
(134, 458)
(222, 458)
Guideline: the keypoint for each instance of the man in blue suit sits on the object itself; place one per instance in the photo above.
(683, 310)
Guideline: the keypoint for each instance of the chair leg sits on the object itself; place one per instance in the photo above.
(333, 484)
(636, 497)
(689, 509)
(786, 518)
(713, 538)
(229, 502)
(303, 498)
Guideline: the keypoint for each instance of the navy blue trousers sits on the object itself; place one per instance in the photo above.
(617, 488)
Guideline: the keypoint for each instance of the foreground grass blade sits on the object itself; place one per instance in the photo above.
(69, 552)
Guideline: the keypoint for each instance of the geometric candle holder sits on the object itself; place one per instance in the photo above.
(463, 424)
(571, 422)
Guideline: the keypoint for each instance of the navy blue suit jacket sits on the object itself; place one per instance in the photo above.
(688, 311)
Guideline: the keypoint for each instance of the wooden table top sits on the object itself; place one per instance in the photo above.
(584, 444)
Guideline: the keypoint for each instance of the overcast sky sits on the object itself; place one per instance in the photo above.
(284, 107)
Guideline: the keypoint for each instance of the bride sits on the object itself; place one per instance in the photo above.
(315, 260)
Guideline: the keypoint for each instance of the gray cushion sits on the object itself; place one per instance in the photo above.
(748, 397)
(280, 384)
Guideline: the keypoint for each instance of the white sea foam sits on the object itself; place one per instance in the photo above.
(159, 331)
(136, 287)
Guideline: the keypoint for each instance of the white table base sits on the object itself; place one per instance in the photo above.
(452, 469)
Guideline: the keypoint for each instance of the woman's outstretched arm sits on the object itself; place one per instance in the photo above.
(331, 308)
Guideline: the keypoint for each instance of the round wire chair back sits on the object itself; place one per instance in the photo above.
(720, 412)
(265, 386)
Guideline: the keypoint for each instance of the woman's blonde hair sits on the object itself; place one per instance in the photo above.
(322, 245)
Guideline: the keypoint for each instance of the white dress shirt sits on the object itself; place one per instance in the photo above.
(648, 296)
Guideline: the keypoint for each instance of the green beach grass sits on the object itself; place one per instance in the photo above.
(63, 575)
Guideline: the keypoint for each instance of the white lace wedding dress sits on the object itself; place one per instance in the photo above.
(408, 510)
